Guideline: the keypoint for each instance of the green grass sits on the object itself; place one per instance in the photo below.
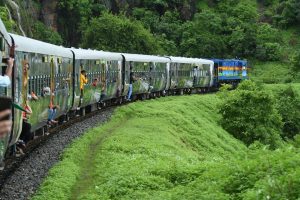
(271, 72)
(171, 148)
(276, 88)
(148, 148)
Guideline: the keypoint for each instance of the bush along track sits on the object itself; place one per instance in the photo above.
(171, 148)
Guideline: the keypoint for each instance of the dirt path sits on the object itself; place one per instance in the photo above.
(89, 166)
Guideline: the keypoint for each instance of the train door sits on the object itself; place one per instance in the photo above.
(126, 76)
(168, 78)
(244, 70)
(152, 75)
(123, 74)
(216, 72)
(119, 79)
(76, 85)
(52, 81)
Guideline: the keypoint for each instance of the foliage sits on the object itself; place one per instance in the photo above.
(117, 33)
(268, 43)
(249, 114)
(296, 62)
(41, 32)
(205, 30)
(288, 105)
(287, 13)
(166, 27)
(264, 174)
(76, 15)
(241, 24)
(9, 24)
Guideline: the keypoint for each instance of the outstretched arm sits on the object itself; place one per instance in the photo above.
(10, 64)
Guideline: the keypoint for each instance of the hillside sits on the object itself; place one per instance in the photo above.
(170, 148)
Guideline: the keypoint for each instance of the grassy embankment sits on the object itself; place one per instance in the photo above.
(171, 148)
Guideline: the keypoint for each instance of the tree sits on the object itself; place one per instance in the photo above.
(288, 13)
(241, 26)
(203, 36)
(42, 32)
(268, 42)
(166, 27)
(117, 33)
(76, 15)
(249, 114)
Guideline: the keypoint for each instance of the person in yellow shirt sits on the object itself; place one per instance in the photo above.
(83, 81)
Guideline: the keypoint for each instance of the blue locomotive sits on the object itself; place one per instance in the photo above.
(231, 71)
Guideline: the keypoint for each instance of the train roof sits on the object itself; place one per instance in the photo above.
(145, 58)
(4, 33)
(95, 55)
(26, 44)
(190, 60)
(231, 62)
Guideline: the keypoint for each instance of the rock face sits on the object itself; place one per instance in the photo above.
(49, 13)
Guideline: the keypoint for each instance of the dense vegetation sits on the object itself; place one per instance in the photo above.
(174, 148)
(255, 113)
(265, 30)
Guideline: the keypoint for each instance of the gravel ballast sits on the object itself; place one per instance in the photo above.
(26, 179)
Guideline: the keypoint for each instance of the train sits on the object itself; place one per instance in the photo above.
(54, 74)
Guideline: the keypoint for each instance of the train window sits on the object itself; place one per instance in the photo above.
(59, 69)
(2, 44)
(59, 60)
(45, 59)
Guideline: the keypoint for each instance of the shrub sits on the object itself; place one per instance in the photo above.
(249, 114)
(288, 105)
(296, 62)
